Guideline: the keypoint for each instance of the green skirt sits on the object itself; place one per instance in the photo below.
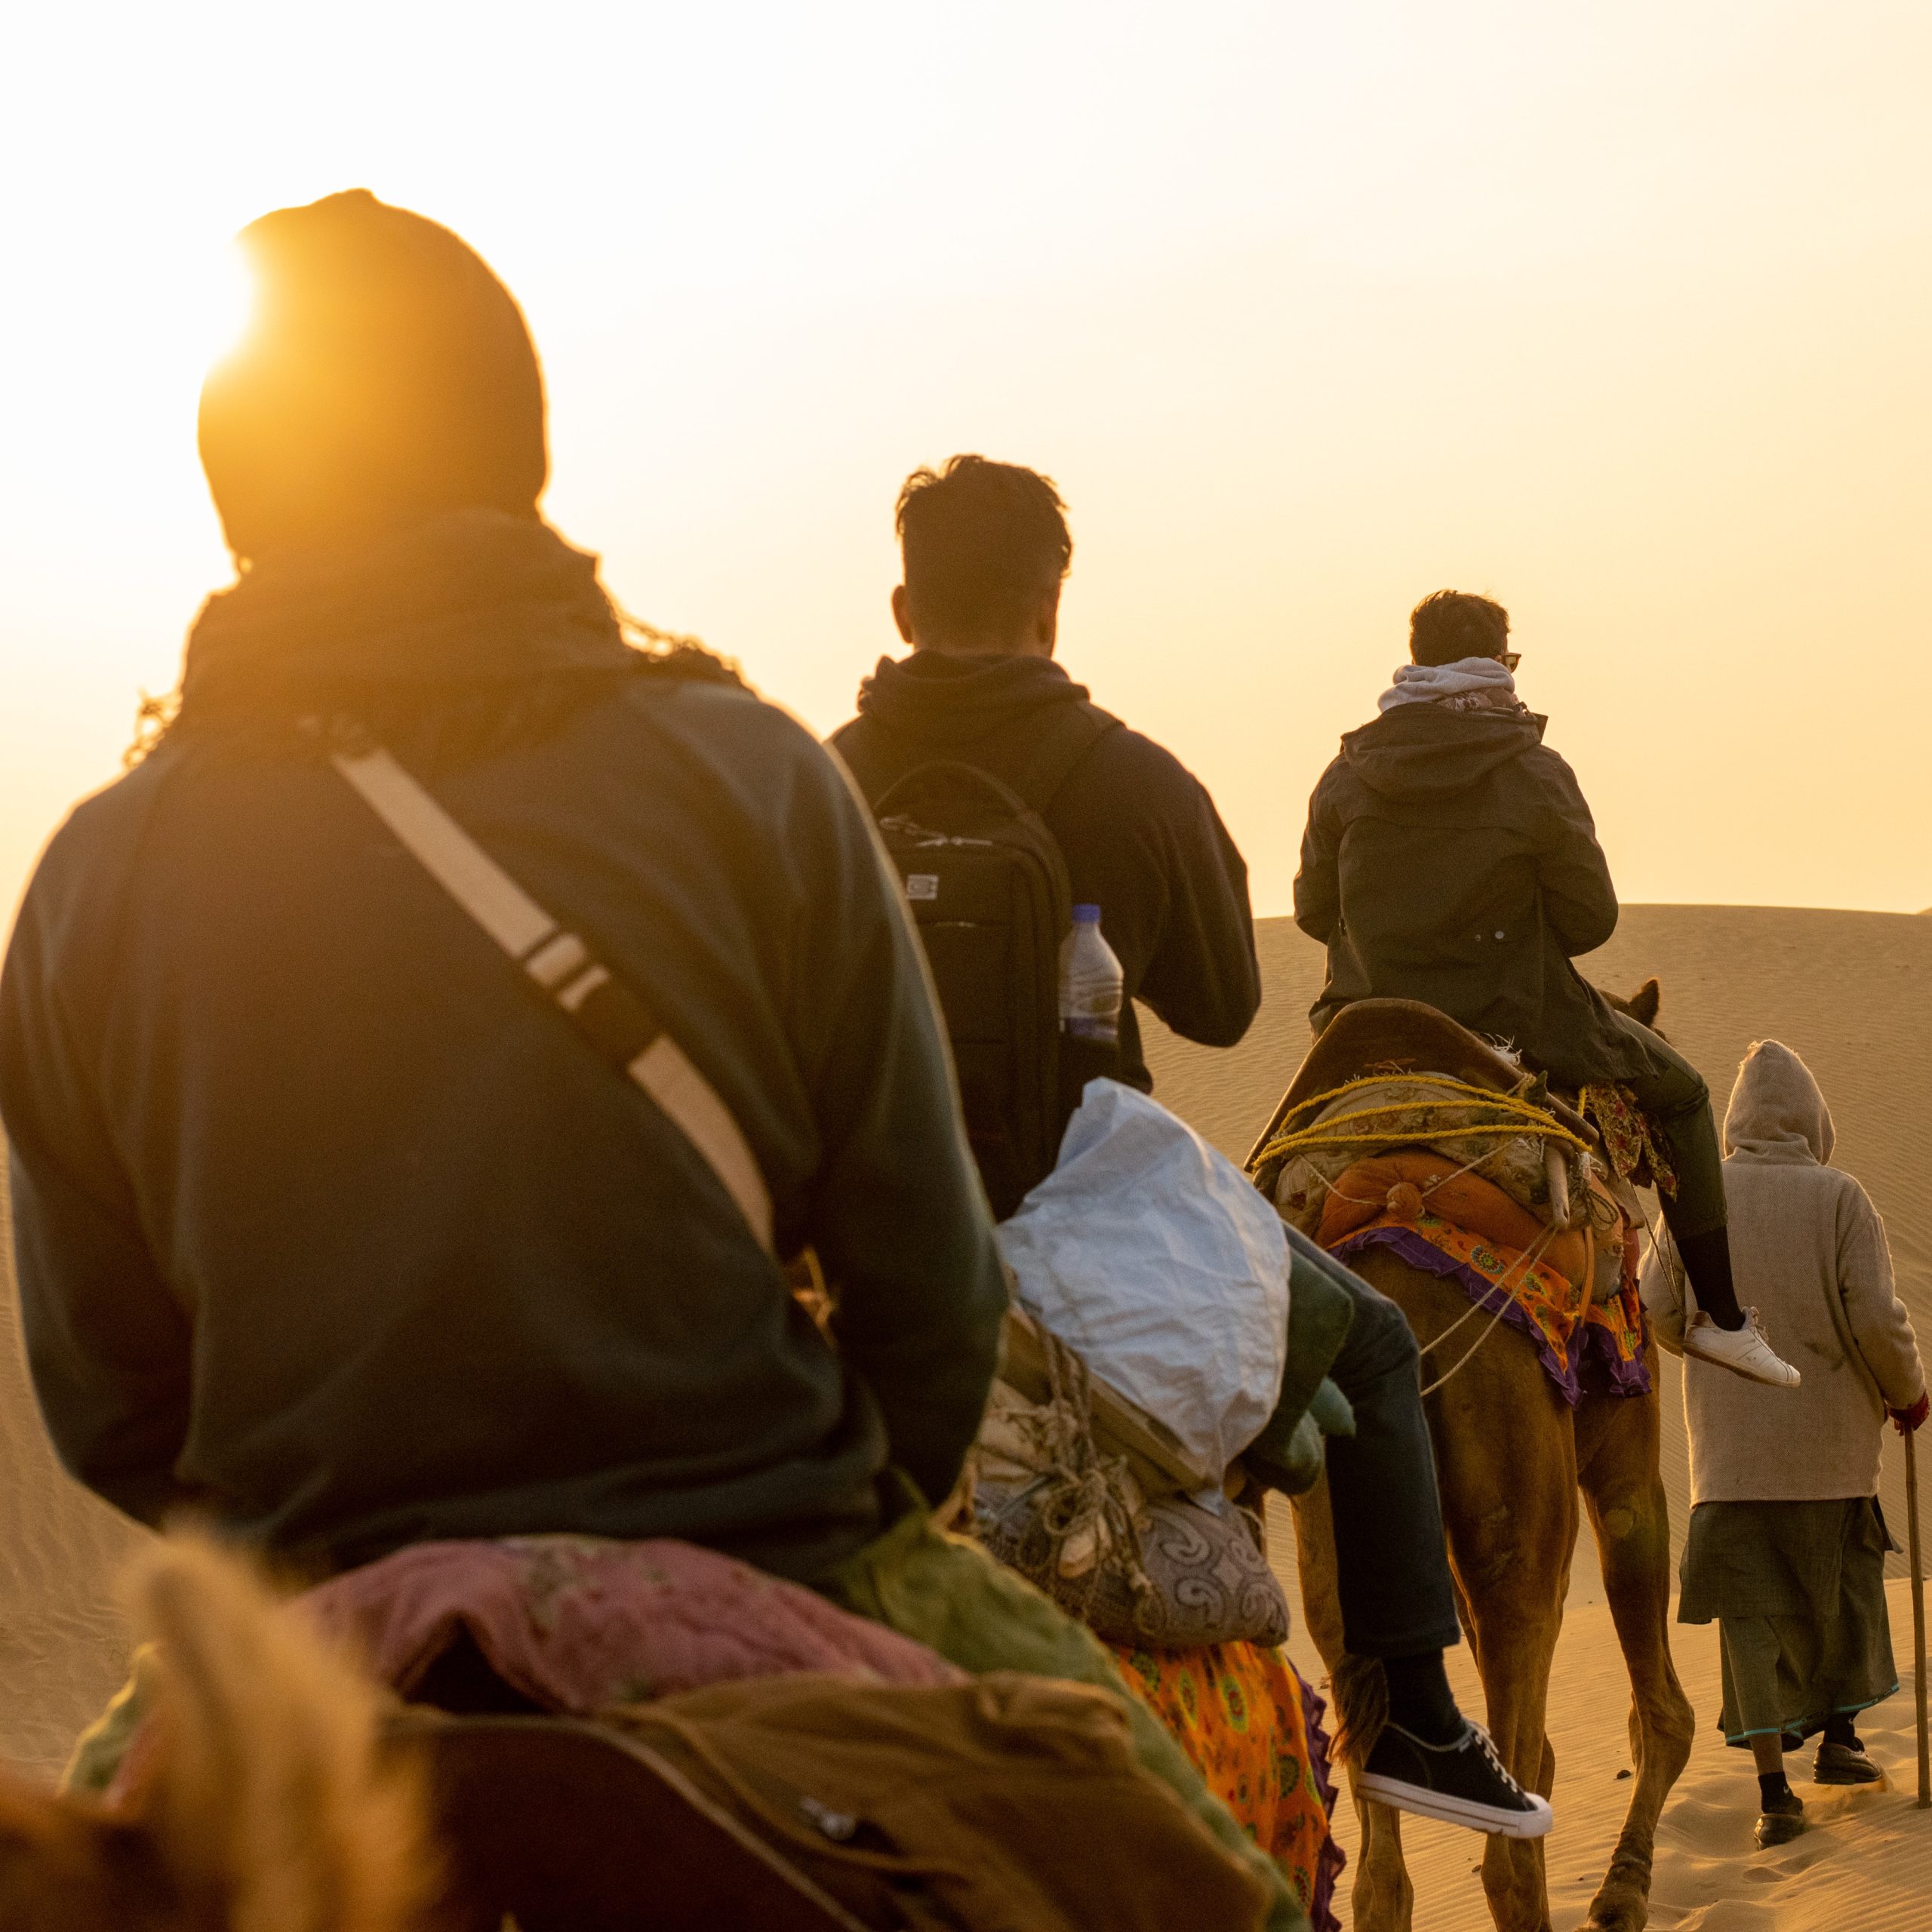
(1798, 1592)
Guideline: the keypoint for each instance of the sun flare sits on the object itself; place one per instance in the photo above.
(217, 305)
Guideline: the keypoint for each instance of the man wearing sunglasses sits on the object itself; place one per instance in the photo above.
(1449, 858)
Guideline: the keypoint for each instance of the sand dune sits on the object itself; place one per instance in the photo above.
(62, 1649)
(1851, 992)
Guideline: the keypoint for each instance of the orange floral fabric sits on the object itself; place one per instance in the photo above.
(1253, 1729)
(1556, 1314)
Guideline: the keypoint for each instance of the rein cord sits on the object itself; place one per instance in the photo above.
(1526, 1119)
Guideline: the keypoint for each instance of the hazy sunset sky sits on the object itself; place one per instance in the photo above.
(1621, 313)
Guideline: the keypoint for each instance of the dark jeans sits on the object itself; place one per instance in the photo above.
(1391, 1565)
(1677, 1099)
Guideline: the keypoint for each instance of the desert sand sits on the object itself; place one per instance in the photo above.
(1865, 1866)
(1850, 991)
(62, 1651)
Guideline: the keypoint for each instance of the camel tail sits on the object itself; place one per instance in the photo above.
(1361, 1705)
(271, 1794)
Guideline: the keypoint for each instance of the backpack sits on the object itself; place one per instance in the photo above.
(987, 884)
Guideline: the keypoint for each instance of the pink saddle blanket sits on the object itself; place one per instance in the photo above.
(580, 1624)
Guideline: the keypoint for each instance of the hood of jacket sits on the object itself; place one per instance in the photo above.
(465, 598)
(946, 697)
(1777, 1112)
(1421, 751)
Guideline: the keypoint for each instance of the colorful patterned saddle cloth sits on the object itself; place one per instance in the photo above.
(1403, 1130)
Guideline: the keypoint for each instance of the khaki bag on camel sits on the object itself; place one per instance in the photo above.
(1011, 1804)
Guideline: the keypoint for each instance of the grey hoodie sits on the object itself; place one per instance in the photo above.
(1809, 1254)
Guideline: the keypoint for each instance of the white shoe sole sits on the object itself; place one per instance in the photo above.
(1737, 1368)
(1419, 1801)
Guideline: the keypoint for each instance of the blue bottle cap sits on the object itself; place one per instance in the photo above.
(1086, 915)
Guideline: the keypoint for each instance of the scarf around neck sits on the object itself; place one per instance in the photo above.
(466, 600)
(1470, 683)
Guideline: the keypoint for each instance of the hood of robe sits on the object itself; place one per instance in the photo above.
(1776, 1111)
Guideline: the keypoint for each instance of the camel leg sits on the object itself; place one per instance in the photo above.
(1502, 1545)
(1616, 1452)
(1506, 1463)
(1381, 1899)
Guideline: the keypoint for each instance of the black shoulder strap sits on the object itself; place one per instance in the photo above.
(1076, 730)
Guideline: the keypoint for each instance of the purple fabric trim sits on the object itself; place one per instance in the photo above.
(1422, 1253)
(1332, 1858)
(1603, 1371)
(1593, 1358)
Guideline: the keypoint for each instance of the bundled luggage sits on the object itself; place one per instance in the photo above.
(1151, 1281)
(1149, 1254)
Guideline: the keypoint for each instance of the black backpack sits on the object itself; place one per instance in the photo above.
(987, 884)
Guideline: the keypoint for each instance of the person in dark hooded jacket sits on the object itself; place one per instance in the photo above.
(1449, 858)
(986, 548)
(325, 1227)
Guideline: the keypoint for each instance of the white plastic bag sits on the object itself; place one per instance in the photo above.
(1151, 1255)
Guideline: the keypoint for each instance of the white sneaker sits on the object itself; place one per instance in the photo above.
(1743, 1350)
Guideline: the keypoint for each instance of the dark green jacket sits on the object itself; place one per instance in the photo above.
(1449, 858)
(325, 1223)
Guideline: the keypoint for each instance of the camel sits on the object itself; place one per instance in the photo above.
(270, 1807)
(1510, 1460)
(280, 1790)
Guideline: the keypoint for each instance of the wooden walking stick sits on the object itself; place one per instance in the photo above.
(1918, 1614)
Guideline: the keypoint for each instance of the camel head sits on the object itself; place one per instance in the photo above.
(1641, 1005)
(264, 1806)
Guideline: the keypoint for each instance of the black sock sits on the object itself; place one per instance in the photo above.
(1839, 1729)
(1706, 1259)
(1420, 1700)
(1772, 1785)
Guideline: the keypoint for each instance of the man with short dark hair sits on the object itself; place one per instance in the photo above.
(986, 548)
(1449, 858)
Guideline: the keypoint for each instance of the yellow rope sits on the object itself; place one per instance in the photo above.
(1528, 1121)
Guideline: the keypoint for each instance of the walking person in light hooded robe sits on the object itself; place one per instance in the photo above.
(1787, 1543)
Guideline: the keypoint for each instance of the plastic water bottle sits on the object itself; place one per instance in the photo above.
(1091, 983)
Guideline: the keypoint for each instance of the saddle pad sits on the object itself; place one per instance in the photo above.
(1582, 1344)
(1401, 1186)
(574, 1624)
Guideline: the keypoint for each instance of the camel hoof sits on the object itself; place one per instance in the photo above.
(1619, 1914)
(1622, 1902)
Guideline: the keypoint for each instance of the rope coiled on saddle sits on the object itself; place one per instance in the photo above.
(1525, 1119)
(1081, 1493)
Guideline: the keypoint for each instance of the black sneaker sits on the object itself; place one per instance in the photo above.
(1462, 1783)
(1844, 1764)
(1781, 1820)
